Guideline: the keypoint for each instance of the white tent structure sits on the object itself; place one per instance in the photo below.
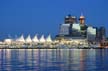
(28, 39)
(20, 39)
(35, 39)
(8, 41)
(48, 39)
(42, 39)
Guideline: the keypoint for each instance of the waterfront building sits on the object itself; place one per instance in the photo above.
(91, 33)
(71, 33)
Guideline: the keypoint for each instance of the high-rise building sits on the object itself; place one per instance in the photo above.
(82, 19)
(64, 29)
(83, 29)
(76, 30)
(70, 19)
(102, 34)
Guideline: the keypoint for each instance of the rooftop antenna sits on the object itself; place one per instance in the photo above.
(81, 13)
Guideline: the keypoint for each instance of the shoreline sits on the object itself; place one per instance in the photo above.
(53, 48)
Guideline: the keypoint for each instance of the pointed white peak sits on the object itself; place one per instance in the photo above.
(20, 39)
(35, 39)
(28, 39)
(48, 39)
(42, 39)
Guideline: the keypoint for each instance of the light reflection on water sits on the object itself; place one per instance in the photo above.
(53, 59)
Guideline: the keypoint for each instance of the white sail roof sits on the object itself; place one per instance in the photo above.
(8, 40)
(28, 39)
(42, 39)
(48, 39)
(35, 39)
(20, 39)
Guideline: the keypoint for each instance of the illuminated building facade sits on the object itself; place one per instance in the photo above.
(64, 29)
(91, 33)
(76, 30)
(71, 28)
(102, 34)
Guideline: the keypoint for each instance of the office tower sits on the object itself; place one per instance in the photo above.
(64, 29)
(76, 30)
(70, 19)
(102, 34)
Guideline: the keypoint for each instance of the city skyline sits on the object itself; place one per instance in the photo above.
(44, 17)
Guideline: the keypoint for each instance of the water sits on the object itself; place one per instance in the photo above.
(53, 59)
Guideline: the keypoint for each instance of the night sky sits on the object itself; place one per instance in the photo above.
(44, 16)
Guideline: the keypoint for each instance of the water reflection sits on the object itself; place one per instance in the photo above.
(53, 60)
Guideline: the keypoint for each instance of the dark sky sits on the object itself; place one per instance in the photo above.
(45, 16)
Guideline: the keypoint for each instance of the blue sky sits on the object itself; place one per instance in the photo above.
(45, 16)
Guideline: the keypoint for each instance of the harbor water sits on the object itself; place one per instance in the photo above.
(53, 59)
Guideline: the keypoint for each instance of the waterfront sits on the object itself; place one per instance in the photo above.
(53, 59)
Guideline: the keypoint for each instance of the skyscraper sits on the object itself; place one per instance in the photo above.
(70, 19)
(64, 29)
(82, 19)
(102, 34)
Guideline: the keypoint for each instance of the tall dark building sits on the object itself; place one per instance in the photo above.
(70, 19)
(102, 33)
(97, 34)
